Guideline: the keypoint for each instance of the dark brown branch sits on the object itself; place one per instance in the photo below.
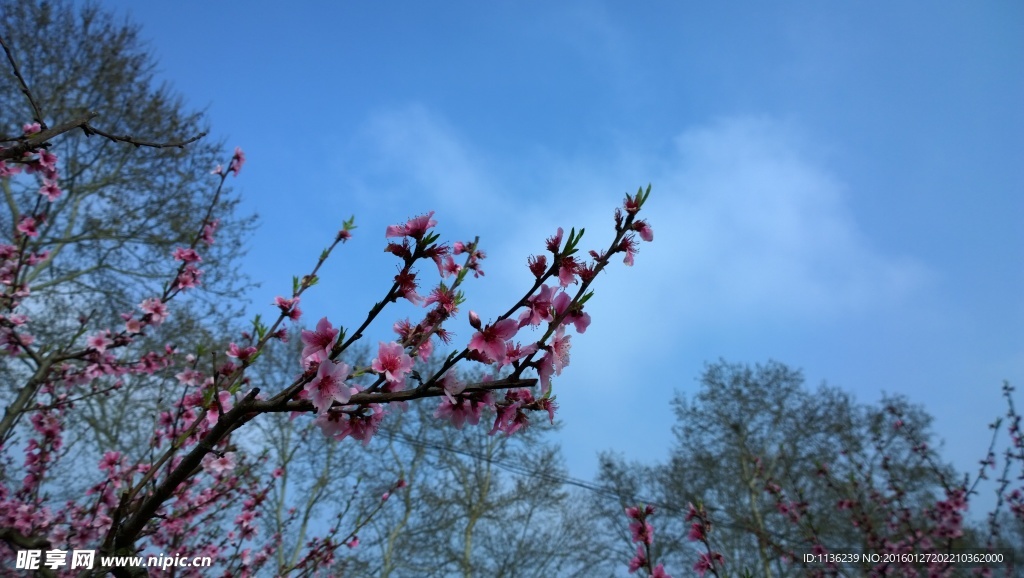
(35, 141)
(272, 406)
(16, 538)
(24, 86)
(130, 530)
(91, 130)
(243, 412)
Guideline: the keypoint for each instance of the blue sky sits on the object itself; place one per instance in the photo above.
(837, 186)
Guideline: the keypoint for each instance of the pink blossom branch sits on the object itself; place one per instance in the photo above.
(393, 396)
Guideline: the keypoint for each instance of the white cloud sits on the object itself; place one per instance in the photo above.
(423, 164)
(749, 230)
(757, 229)
(747, 227)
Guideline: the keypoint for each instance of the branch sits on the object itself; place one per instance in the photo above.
(90, 130)
(16, 538)
(130, 530)
(24, 86)
(363, 398)
(38, 140)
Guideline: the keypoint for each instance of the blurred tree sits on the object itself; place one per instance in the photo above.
(751, 429)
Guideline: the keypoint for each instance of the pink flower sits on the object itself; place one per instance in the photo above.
(659, 572)
(110, 461)
(48, 162)
(289, 307)
(156, 309)
(463, 408)
(329, 385)
(568, 268)
(553, 243)
(392, 362)
(188, 377)
(237, 160)
(415, 227)
(28, 226)
(242, 354)
(628, 245)
(31, 128)
(188, 255)
(132, 325)
(188, 278)
(645, 230)
(50, 190)
(515, 352)
(556, 359)
(539, 307)
(706, 562)
(208, 230)
(225, 401)
(448, 266)
(642, 531)
(318, 343)
(538, 265)
(406, 281)
(490, 341)
(361, 424)
(445, 299)
(638, 561)
(100, 341)
(510, 416)
(7, 170)
(631, 204)
(418, 226)
(219, 465)
(576, 315)
(452, 385)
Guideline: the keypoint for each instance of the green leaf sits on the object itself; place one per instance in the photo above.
(586, 298)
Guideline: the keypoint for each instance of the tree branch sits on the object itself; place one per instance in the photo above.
(24, 86)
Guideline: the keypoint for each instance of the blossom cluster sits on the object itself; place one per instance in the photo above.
(642, 533)
(192, 470)
(328, 383)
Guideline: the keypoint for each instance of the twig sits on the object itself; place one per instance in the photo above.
(90, 130)
(24, 86)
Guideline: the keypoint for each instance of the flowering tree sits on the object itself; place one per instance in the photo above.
(111, 231)
(194, 468)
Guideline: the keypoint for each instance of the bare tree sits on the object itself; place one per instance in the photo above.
(749, 446)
